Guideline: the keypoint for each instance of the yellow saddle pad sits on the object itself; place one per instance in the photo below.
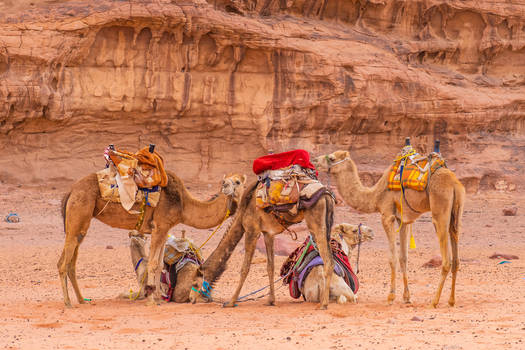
(415, 173)
(280, 192)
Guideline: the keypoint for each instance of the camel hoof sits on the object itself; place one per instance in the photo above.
(148, 290)
(153, 302)
(270, 303)
(434, 305)
(451, 303)
(229, 305)
(407, 301)
(68, 305)
(391, 298)
(323, 307)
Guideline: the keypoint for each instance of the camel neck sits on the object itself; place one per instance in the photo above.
(204, 214)
(351, 188)
(215, 265)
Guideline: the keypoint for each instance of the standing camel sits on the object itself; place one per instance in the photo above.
(176, 205)
(251, 221)
(444, 197)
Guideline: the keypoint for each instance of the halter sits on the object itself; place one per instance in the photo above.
(331, 165)
(205, 290)
(358, 247)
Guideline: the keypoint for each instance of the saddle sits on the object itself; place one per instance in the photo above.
(412, 170)
(304, 258)
(129, 178)
(287, 182)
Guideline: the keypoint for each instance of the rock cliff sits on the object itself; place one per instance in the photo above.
(217, 83)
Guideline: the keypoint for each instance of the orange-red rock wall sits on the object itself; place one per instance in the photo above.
(215, 84)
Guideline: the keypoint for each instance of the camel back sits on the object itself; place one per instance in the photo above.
(414, 171)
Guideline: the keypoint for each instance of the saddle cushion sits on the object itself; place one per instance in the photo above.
(282, 160)
(416, 171)
(109, 189)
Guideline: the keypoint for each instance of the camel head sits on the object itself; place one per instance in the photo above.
(233, 185)
(200, 289)
(350, 234)
(330, 161)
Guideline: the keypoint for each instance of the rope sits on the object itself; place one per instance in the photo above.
(100, 212)
(358, 248)
(141, 283)
(217, 229)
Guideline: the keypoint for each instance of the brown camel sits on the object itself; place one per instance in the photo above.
(444, 197)
(176, 205)
(251, 221)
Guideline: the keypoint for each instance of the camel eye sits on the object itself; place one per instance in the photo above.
(238, 182)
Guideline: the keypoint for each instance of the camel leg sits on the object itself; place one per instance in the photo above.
(441, 225)
(318, 218)
(403, 259)
(388, 226)
(152, 287)
(63, 265)
(72, 273)
(455, 268)
(270, 266)
(250, 240)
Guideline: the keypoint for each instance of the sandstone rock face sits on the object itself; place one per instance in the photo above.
(215, 84)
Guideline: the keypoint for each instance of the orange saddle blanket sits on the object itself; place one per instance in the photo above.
(416, 171)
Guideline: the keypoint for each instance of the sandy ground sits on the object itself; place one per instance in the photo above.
(490, 311)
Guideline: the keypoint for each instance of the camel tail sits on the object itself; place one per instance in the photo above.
(457, 211)
(64, 206)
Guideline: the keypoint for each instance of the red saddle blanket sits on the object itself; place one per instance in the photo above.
(282, 160)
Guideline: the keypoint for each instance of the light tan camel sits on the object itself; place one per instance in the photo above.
(251, 221)
(444, 197)
(176, 206)
(185, 275)
(348, 236)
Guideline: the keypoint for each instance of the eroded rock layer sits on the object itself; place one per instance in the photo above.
(215, 84)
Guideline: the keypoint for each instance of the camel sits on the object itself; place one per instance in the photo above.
(184, 276)
(176, 205)
(444, 197)
(251, 221)
(348, 236)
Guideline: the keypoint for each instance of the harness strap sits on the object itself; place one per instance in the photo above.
(358, 247)
(138, 263)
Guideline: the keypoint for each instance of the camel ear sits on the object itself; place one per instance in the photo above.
(243, 178)
(347, 154)
(223, 177)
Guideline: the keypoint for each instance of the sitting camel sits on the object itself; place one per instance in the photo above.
(348, 236)
(181, 292)
(176, 205)
(444, 197)
(250, 221)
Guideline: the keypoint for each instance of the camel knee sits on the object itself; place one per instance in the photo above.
(455, 265)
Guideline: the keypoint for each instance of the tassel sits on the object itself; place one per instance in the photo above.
(412, 244)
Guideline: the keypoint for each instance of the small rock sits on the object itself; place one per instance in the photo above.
(288, 338)
(109, 247)
(503, 256)
(416, 318)
(510, 211)
(434, 262)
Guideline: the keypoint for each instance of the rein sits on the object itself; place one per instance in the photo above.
(331, 165)
(358, 247)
